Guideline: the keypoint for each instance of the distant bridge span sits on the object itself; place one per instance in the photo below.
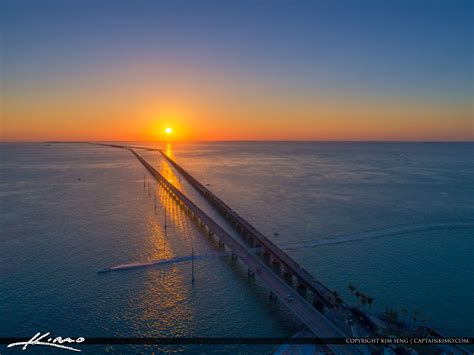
(316, 322)
(321, 293)
(307, 313)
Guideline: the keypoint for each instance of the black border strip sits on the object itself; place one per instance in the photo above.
(232, 340)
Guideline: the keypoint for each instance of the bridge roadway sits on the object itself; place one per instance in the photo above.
(310, 316)
(322, 294)
(304, 278)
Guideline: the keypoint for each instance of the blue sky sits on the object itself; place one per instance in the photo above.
(400, 51)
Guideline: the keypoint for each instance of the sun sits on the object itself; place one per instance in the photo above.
(168, 130)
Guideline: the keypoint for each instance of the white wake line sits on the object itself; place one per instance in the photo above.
(178, 259)
(378, 233)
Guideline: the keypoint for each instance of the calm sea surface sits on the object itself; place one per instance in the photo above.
(404, 210)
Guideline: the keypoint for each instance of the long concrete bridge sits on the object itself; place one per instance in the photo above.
(325, 304)
(297, 304)
(323, 297)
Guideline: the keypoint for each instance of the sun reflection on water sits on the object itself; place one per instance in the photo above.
(166, 296)
(164, 301)
(169, 150)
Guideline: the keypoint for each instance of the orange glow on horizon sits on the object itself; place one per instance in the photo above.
(260, 118)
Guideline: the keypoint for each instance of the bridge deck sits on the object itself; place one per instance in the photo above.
(313, 319)
(303, 276)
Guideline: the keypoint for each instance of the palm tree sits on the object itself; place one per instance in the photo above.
(395, 318)
(337, 297)
(415, 315)
(404, 313)
(351, 288)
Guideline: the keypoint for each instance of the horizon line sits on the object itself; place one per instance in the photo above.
(243, 140)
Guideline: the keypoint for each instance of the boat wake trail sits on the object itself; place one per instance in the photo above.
(376, 233)
(361, 236)
(177, 259)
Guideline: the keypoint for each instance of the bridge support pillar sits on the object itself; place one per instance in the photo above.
(287, 273)
(301, 285)
(318, 304)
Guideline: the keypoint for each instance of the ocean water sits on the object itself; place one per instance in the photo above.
(403, 211)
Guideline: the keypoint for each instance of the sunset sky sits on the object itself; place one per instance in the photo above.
(237, 70)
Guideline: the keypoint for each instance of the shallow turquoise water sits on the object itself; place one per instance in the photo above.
(58, 230)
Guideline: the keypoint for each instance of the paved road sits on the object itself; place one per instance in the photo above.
(301, 274)
(314, 320)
